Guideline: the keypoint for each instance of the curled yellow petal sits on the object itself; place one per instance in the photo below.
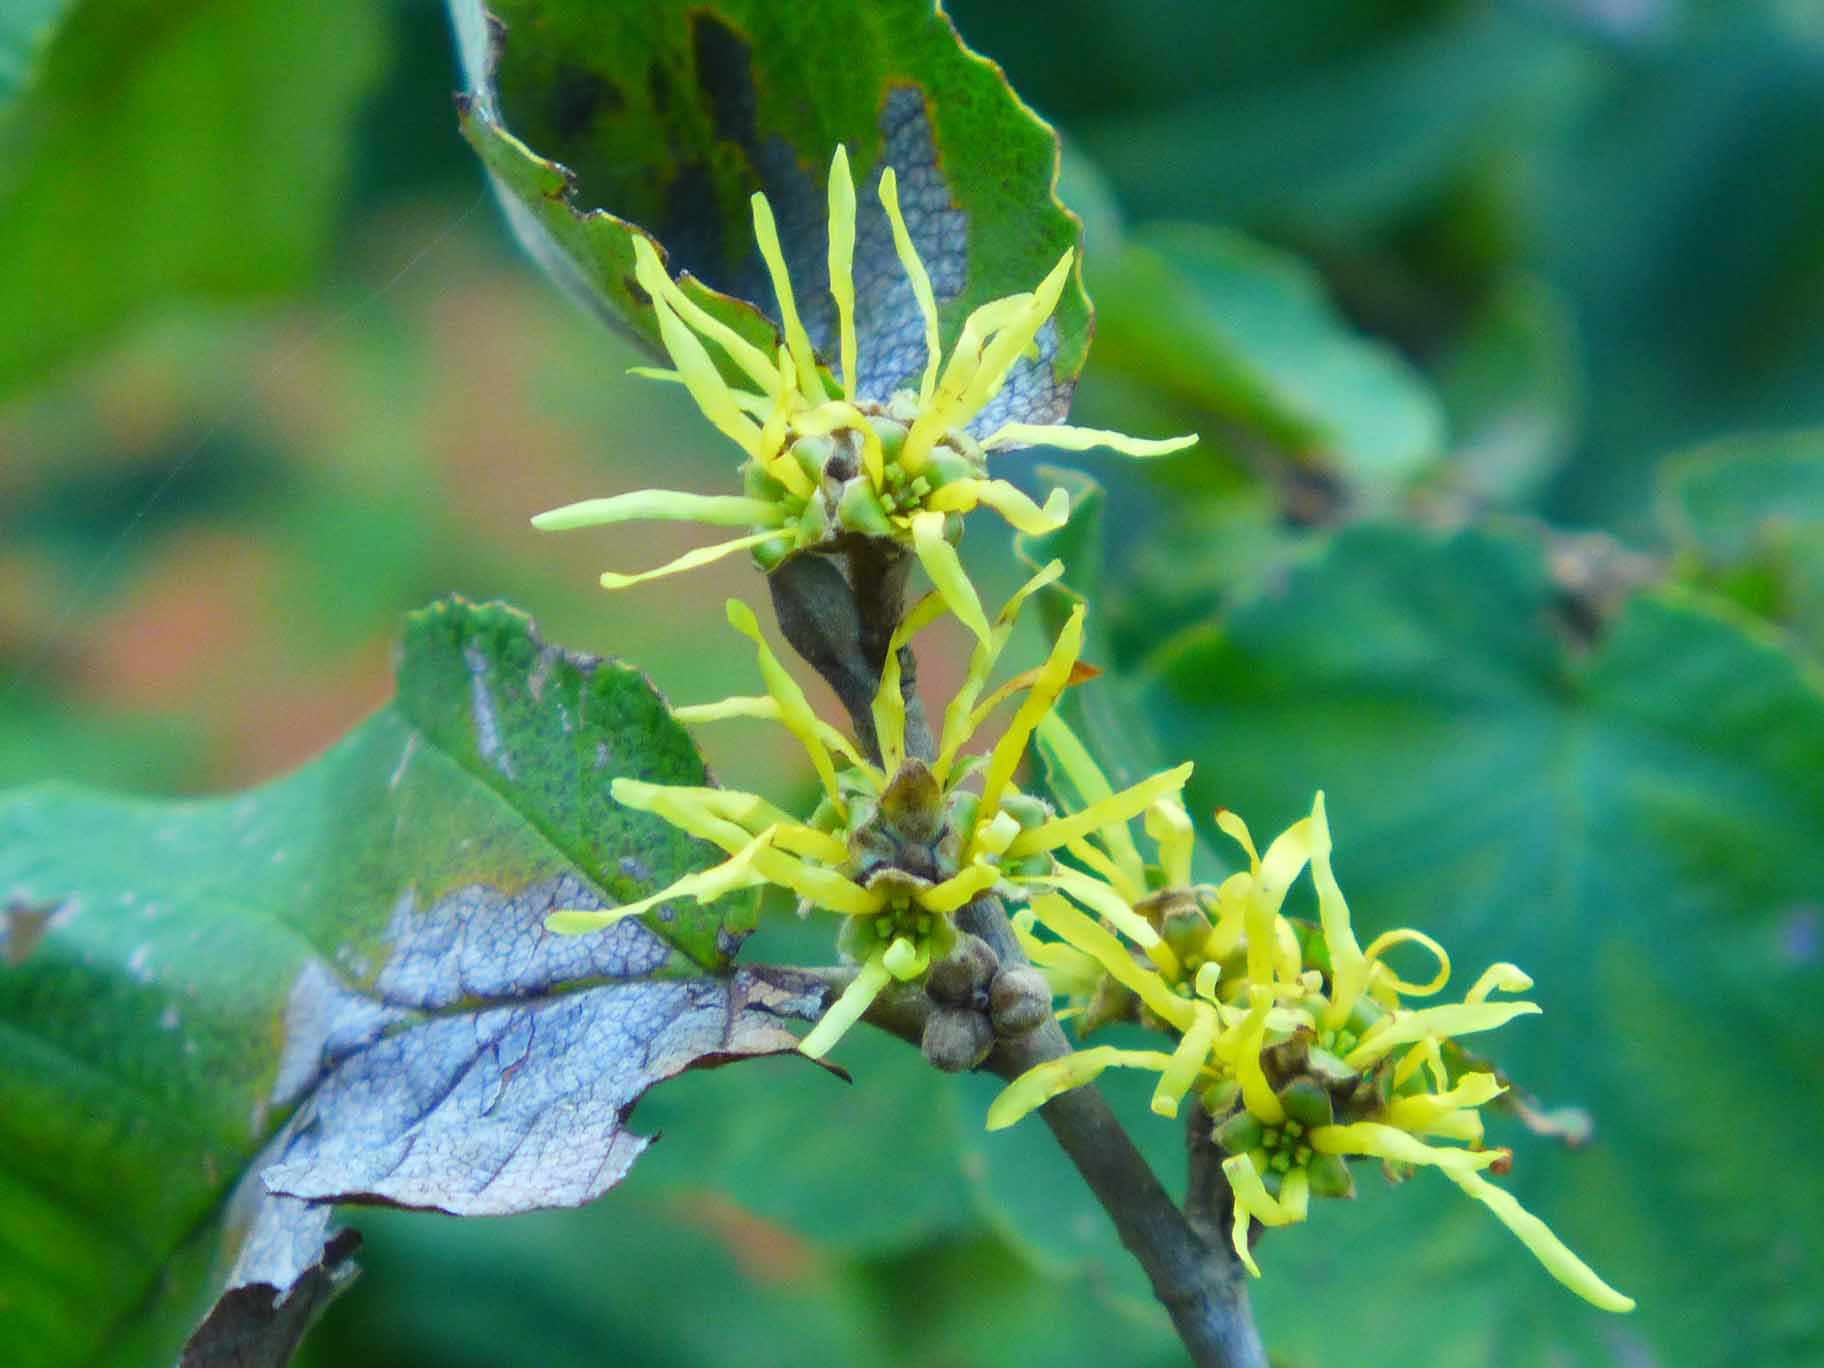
(1546, 1247)
(1039, 1084)
(1502, 977)
(920, 281)
(842, 262)
(847, 1009)
(904, 960)
(662, 505)
(1235, 829)
(795, 712)
(1405, 935)
(1066, 438)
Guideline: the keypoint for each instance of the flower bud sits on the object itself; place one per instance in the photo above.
(965, 972)
(860, 510)
(1330, 1176)
(1307, 1103)
(957, 1039)
(1019, 1001)
(1240, 1133)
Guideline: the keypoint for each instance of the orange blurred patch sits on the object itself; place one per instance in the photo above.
(278, 727)
(763, 1250)
(166, 645)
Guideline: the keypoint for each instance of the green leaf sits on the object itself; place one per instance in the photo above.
(1747, 516)
(26, 27)
(1246, 334)
(1637, 822)
(601, 121)
(1512, 386)
(338, 988)
(165, 150)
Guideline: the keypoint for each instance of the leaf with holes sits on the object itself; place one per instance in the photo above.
(224, 1016)
(599, 122)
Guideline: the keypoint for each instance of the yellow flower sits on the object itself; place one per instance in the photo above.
(1305, 1046)
(824, 460)
(896, 848)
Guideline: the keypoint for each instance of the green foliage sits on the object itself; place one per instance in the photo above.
(599, 121)
(1587, 240)
(1636, 821)
(163, 150)
(358, 949)
(1240, 334)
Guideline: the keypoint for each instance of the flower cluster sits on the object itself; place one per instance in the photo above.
(1301, 1043)
(898, 847)
(823, 460)
(1304, 1047)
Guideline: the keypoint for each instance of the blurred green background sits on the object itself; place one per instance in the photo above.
(1504, 324)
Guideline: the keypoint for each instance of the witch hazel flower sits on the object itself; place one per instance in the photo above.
(825, 461)
(896, 847)
(1299, 1042)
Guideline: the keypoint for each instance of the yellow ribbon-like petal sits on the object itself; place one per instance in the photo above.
(1348, 966)
(1193, 1052)
(1039, 1084)
(1546, 1247)
(1020, 512)
(945, 568)
(1082, 439)
(705, 886)
(847, 1009)
(1060, 747)
(795, 711)
(920, 281)
(1503, 977)
(842, 262)
(690, 560)
(1039, 700)
(657, 281)
(765, 708)
(1170, 827)
(766, 236)
(1390, 1142)
(1113, 810)
(662, 505)
(1403, 1028)
(1405, 935)
(1086, 935)
(1250, 1036)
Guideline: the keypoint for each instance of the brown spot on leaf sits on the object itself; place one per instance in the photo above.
(22, 926)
